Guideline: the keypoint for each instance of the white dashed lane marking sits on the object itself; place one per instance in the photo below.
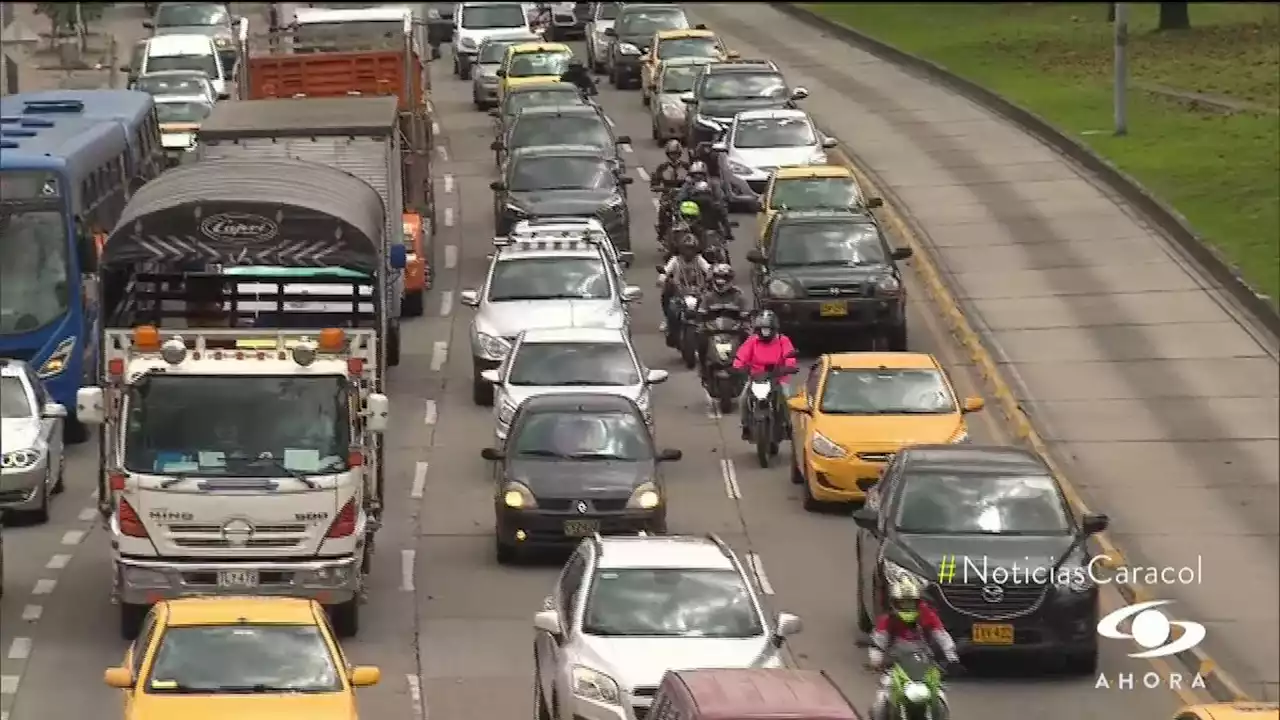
(450, 256)
(757, 567)
(8, 684)
(443, 152)
(446, 303)
(415, 697)
(448, 217)
(419, 479)
(730, 476)
(435, 129)
(448, 183)
(644, 174)
(432, 413)
(72, 537)
(44, 586)
(32, 613)
(88, 514)
(439, 355)
(406, 570)
(57, 562)
(19, 649)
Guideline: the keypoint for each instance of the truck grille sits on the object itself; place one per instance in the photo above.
(1004, 602)
(207, 536)
(844, 290)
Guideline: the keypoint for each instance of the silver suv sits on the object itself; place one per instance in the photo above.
(541, 284)
(627, 609)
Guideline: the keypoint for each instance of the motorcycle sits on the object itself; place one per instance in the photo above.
(724, 336)
(915, 684)
(768, 423)
(714, 248)
(687, 324)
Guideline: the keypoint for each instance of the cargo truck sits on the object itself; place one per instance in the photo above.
(241, 406)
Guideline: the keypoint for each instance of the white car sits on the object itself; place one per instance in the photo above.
(475, 22)
(570, 360)
(590, 229)
(627, 609)
(185, 52)
(761, 141)
(32, 464)
(175, 83)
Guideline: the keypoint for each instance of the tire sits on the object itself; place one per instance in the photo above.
(653, 131)
(504, 553)
(74, 432)
(896, 338)
(131, 617)
(797, 475)
(60, 483)
(688, 348)
(811, 503)
(464, 70)
(617, 80)
(393, 346)
(540, 710)
(345, 617)
(760, 435)
(457, 69)
(481, 391)
(864, 620)
(412, 305)
(644, 97)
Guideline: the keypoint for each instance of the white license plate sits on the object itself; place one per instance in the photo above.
(723, 348)
(238, 579)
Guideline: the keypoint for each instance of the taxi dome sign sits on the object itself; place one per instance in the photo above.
(239, 228)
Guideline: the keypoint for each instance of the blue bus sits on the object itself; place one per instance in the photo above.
(63, 185)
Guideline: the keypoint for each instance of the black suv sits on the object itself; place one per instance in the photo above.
(831, 271)
(631, 34)
(725, 89)
(563, 181)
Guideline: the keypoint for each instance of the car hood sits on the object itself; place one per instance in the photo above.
(641, 662)
(206, 30)
(817, 276)
(726, 109)
(927, 552)
(519, 393)
(581, 480)
(561, 202)
(508, 318)
(888, 433)
(775, 157)
(19, 433)
(335, 706)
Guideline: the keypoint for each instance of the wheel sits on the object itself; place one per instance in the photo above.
(653, 130)
(725, 404)
(40, 515)
(131, 617)
(481, 391)
(457, 68)
(811, 503)
(393, 346)
(1083, 662)
(345, 617)
(896, 338)
(644, 97)
(74, 432)
(617, 79)
(505, 554)
(864, 620)
(539, 702)
(773, 448)
(435, 52)
(797, 475)
(688, 348)
(412, 304)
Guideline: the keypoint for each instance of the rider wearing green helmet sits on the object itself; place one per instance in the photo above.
(911, 619)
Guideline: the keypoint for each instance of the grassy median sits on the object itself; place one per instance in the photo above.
(1204, 133)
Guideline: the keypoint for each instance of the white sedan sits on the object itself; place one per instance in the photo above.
(761, 141)
(32, 465)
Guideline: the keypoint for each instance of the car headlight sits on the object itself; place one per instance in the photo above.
(518, 495)
(506, 411)
(58, 359)
(781, 289)
(615, 201)
(591, 684)
(516, 210)
(628, 49)
(492, 347)
(888, 285)
(738, 168)
(645, 497)
(895, 573)
(466, 43)
(960, 437)
(824, 446)
(20, 459)
(222, 42)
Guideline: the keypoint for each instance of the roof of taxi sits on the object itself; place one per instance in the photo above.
(771, 114)
(741, 65)
(574, 335)
(814, 171)
(678, 34)
(528, 47)
(734, 693)
(687, 60)
(230, 610)
(666, 551)
(1238, 710)
(888, 360)
(562, 110)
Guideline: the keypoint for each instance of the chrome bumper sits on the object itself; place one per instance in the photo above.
(141, 582)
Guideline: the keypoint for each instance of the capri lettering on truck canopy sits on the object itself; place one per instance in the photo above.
(241, 391)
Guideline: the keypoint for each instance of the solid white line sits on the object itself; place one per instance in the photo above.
(44, 586)
(644, 174)
(626, 147)
(415, 697)
(57, 562)
(435, 129)
(446, 303)
(450, 257)
(9, 684)
(32, 613)
(730, 477)
(432, 413)
(406, 570)
(20, 648)
(419, 479)
(448, 217)
(443, 152)
(439, 355)
(448, 183)
(757, 566)
(72, 537)
(88, 513)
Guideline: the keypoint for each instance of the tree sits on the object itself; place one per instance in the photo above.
(62, 15)
(1111, 12)
(1174, 16)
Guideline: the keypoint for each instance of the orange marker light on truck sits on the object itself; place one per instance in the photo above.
(332, 340)
(146, 338)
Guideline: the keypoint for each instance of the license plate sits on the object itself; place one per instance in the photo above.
(581, 528)
(238, 579)
(723, 348)
(988, 634)
(834, 309)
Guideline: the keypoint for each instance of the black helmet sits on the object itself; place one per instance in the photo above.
(673, 148)
(721, 276)
(765, 324)
(689, 243)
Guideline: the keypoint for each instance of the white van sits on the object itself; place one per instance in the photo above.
(185, 52)
(475, 22)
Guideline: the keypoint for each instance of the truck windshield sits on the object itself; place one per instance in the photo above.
(34, 288)
(242, 426)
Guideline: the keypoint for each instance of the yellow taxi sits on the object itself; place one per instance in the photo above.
(855, 410)
(668, 44)
(817, 187)
(1231, 711)
(249, 658)
(532, 62)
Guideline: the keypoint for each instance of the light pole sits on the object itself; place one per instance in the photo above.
(1121, 26)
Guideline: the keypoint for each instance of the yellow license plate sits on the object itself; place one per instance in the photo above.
(581, 528)
(834, 309)
(988, 634)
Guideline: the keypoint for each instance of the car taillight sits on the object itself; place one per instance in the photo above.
(130, 524)
(345, 523)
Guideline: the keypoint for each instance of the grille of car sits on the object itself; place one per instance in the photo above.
(991, 601)
(596, 505)
(880, 457)
(840, 290)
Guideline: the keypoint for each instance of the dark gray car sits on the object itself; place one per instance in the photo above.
(630, 36)
(563, 181)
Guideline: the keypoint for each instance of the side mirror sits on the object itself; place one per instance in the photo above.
(495, 145)
(53, 410)
(626, 258)
(501, 73)
(688, 99)
(118, 677)
(626, 180)
(148, 24)
(656, 377)
(799, 404)
(224, 96)
(548, 621)
(610, 32)
(1094, 523)
(875, 202)
(903, 253)
(494, 113)
(631, 293)
(670, 455)
(784, 626)
(89, 406)
(720, 147)
(755, 257)
(470, 298)
(623, 140)
(866, 518)
(830, 142)
(799, 93)
(491, 376)
(398, 257)
(126, 69)
(492, 454)
(378, 412)
(365, 676)
(974, 404)
(497, 186)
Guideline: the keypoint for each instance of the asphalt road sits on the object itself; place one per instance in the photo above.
(451, 629)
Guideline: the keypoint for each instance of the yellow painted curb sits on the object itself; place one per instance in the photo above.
(942, 299)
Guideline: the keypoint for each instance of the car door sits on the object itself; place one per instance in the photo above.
(562, 600)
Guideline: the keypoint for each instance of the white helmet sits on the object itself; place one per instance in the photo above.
(698, 168)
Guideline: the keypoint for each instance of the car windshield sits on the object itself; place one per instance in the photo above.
(608, 10)
(939, 503)
(739, 85)
(492, 52)
(815, 193)
(887, 392)
(193, 84)
(561, 364)
(243, 659)
(178, 14)
(797, 244)
(707, 47)
(207, 64)
(583, 436)
(665, 602)
(246, 427)
(536, 64)
(13, 398)
(518, 101)
(679, 78)
(549, 278)
(649, 21)
(492, 16)
(773, 133)
(34, 275)
(588, 129)
(182, 112)
(560, 173)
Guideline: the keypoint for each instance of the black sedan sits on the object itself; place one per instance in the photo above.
(560, 125)
(575, 464)
(989, 536)
(563, 181)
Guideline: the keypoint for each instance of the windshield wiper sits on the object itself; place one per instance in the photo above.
(540, 453)
(278, 464)
(596, 456)
(585, 383)
(259, 688)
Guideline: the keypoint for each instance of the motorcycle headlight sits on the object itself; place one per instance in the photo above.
(824, 446)
(895, 573)
(645, 497)
(916, 692)
(781, 289)
(58, 359)
(20, 459)
(690, 303)
(491, 347)
(594, 685)
(517, 495)
(628, 49)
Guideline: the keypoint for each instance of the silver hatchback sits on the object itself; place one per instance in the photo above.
(484, 73)
(32, 464)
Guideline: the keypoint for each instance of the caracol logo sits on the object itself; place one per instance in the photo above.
(1151, 630)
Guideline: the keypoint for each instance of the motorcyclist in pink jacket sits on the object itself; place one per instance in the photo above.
(766, 348)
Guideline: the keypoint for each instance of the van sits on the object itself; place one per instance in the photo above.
(184, 52)
(749, 694)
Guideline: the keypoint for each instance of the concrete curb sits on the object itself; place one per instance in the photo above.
(1219, 684)
(1261, 307)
